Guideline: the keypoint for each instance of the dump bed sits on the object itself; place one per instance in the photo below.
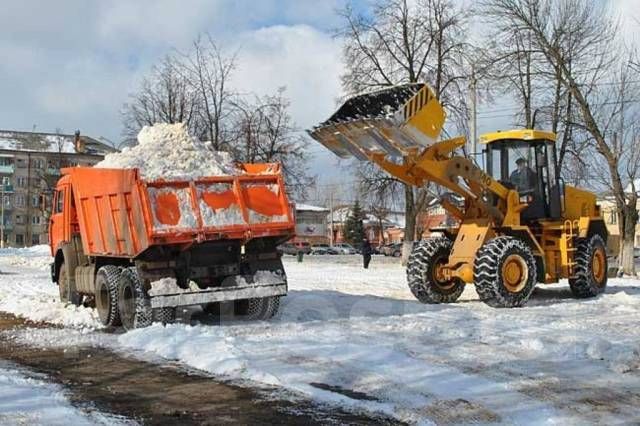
(119, 214)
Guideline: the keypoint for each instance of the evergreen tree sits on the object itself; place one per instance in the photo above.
(354, 226)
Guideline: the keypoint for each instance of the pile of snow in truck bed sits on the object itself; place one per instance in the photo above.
(167, 151)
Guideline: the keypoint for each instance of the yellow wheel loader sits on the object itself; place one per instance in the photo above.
(518, 223)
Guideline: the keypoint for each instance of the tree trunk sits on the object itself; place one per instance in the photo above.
(627, 264)
(410, 223)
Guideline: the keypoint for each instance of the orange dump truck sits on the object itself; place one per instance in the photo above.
(139, 249)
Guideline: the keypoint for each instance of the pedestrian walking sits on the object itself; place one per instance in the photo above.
(366, 252)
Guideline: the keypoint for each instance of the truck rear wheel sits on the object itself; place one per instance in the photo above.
(164, 315)
(106, 295)
(424, 275)
(258, 308)
(590, 273)
(67, 293)
(134, 304)
(505, 272)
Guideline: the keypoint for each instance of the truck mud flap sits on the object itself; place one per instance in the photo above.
(218, 295)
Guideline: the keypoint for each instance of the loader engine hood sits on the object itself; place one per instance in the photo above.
(393, 121)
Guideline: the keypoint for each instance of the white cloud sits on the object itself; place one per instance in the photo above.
(305, 60)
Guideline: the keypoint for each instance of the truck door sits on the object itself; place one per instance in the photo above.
(56, 224)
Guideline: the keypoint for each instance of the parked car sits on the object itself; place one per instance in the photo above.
(323, 249)
(392, 249)
(344, 248)
(293, 248)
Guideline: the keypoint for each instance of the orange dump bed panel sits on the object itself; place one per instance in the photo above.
(121, 215)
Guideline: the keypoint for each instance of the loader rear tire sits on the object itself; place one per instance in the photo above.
(258, 309)
(590, 272)
(134, 304)
(423, 274)
(65, 288)
(505, 272)
(106, 295)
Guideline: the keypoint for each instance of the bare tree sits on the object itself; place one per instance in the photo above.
(208, 71)
(267, 133)
(408, 42)
(590, 32)
(164, 96)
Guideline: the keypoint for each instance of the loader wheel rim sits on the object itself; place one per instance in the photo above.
(598, 266)
(437, 274)
(514, 273)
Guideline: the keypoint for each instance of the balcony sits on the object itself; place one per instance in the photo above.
(8, 227)
(52, 171)
(7, 170)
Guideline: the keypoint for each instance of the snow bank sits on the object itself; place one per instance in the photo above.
(26, 290)
(26, 399)
(167, 151)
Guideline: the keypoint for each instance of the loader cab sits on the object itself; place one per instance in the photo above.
(525, 160)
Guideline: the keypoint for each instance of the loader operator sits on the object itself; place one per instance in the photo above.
(523, 178)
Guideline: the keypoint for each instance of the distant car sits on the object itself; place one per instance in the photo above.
(344, 248)
(392, 249)
(293, 248)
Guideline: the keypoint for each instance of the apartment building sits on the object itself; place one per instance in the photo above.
(30, 164)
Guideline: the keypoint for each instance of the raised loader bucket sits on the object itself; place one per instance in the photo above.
(394, 121)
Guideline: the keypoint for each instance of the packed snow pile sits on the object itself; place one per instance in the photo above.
(167, 151)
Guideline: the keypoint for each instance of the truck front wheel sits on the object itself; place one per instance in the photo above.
(106, 295)
(133, 302)
(66, 289)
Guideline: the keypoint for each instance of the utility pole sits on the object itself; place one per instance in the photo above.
(473, 123)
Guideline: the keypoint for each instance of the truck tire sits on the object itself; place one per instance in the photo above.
(67, 293)
(505, 272)
(106, 295)
(422, 272)
(258, 308)
(164, 315)
(590, 271)
(134, 304)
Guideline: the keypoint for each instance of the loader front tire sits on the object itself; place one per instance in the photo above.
(505, 272)
(590, 271)
(424, 275)
(68, 294)
(106, 295)
(134, 304)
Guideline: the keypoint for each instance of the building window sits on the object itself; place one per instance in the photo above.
(7, 201)
(19, 239)
(21, 181)
(37, 163)
(4, 161)
(35, 239)
(21, 163)
(613, 217)
(19, 220)
(35, 201)
(35, 220)
(19, 200)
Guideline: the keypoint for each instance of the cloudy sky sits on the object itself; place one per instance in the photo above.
(71, 64)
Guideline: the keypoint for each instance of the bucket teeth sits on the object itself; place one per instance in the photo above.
(392, 121)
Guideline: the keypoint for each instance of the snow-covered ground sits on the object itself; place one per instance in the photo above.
(358, 338)
(27, 399)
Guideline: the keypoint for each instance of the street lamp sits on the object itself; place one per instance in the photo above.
(5, 186)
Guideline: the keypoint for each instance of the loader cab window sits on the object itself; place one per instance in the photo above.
(528, 167)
